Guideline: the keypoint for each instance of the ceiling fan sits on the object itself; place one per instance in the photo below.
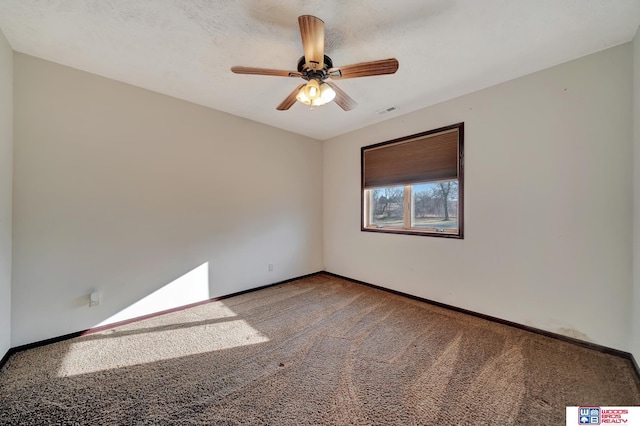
(316, 68)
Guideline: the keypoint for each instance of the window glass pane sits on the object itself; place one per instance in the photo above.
(387, 206)
(435, 205)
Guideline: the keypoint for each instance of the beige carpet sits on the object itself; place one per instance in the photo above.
(319, 350)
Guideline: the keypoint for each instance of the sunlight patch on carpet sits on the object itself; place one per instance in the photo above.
(98, 352)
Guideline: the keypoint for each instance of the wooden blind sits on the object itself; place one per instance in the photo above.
(425, 158)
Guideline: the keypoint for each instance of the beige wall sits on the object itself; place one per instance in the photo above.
(635, 335)
(122, 190)
(6, 149)
(548, 211)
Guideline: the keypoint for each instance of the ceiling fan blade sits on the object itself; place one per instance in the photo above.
(343, 100)
(265, 71)
(289, 100)
(365, 69)
(312, 32)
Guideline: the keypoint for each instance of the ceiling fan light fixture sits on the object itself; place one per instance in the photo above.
(322, 94)
(312, 90)
(326, 94)
(302, 98)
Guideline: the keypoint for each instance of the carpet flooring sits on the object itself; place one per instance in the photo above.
(320, 350)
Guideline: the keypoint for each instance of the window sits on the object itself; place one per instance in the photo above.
(414, 185)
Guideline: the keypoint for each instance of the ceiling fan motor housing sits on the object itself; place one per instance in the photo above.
(315, 74)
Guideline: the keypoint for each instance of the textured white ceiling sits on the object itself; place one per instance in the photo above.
(185, 48)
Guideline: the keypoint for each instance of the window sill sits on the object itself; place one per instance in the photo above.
(414, 231)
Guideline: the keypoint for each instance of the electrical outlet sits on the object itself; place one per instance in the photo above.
(271, 267)
(94, 299)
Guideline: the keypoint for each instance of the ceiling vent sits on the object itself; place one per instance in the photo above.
(386, 110)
